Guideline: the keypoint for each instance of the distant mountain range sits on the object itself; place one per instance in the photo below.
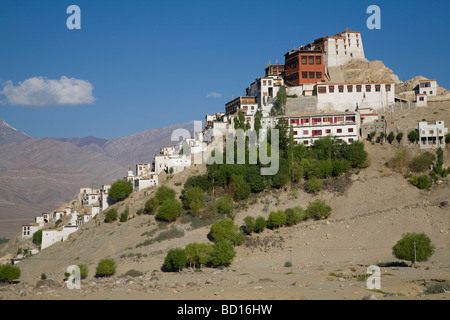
(48, 172)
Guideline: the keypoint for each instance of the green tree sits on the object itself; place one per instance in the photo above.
(356, 154)
(37, 238)
(404, 248)
(225, 205)
(390, 138)
(318, 209)
(120, 190)
(151, 205)
(226, 229)
(111, 215)
(124, 215)
(169, 210)
(165, 193)
(250, 223)
(439, 161)
(422, 162)
(413, 136)
(422, 182)
(201, 181)
(239, 187)
(281, 99)
(106, 267)
(193, 199)
(240, 122)
(260, 224)
(399, 137)
(9, 273)
(198, 253)
(294, 215)
(222, 253)
(276, 219)
(176, 259)
(447, 139)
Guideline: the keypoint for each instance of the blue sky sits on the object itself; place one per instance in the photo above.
(143, 64)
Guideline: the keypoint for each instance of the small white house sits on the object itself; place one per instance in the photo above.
(50, 237)
(421, 100)
(432, 134)
(428, 87)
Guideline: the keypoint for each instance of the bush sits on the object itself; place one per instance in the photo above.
(294, 215)
(356, 154)
(9, 273)
(106, 267)
(276, 219)
(422, 162)
(318, 209)
(151, 205)
(202, 182)
(193, 199)
(390, 138)
(399, 137)
(164, 193)
(250, 223)
(225, 205)
(120, 190)
(169, 210)
(37, 238)
(43, 276)
(84, 270)
(198, 253)
(240, 188)
(111, 215)
(447, 139)
(226, 229)
(222, 253)
(176, 259)
(260, 224)
(314, 185)
(340, 166)
(413, 136)
(421, 182)
(404, 248)
(124, 215)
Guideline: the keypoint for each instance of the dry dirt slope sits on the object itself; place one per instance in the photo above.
(328, 256)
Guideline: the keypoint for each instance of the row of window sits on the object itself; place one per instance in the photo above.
(311, 60)
(306, 142)
(352, 88)
(322, 120)
(319, 133)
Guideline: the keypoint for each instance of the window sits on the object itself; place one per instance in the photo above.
(350, 119)
(295, 133)
(305, 132)
(377, 88)
(328, 131)
(270, 82)
(339, 130)
(431, 92)
(338, 119)
(316, 120)
(341, 89)
(304, 59)
(264, 82)
(350, 88)
(388, 88)
(328, 119)
(306, 142)
(350, 130)
(368, 88)
(316, 133)
(322, 90)
(312, 74)
(358, 88)
(331, 89)
(319, 75)
(350, 140)
(311, 60)
(318, 60)
(305, 74)
(421, 99)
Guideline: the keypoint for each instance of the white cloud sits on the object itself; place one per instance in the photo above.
(42, 92)
(214, 95)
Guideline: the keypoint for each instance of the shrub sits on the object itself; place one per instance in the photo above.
(404, 248)
(314, 185)
(294, 215)
(198, 253)
(193, 199)
(225, 205)
(37, 238)
(172, 233)
(169, 210)
(413, 136)
(390, 138)
(250, 223)
(340, 166)
(202, 182)
(164, 193)
(176, 259)
(447, 139)
(140, 211)
(226, 229)
(84, 270)
(421, 182)
(105, 268)
(9, 273)
(124, 215)
(43, 276)
(400, 160)
(276, 219)
(260, 224)
(422, 162)
(356, 154)
(151, 205)
(120, 190)
(222, 253)
(240, 188)
(318, 209)
(111, 215)
(399, 137)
